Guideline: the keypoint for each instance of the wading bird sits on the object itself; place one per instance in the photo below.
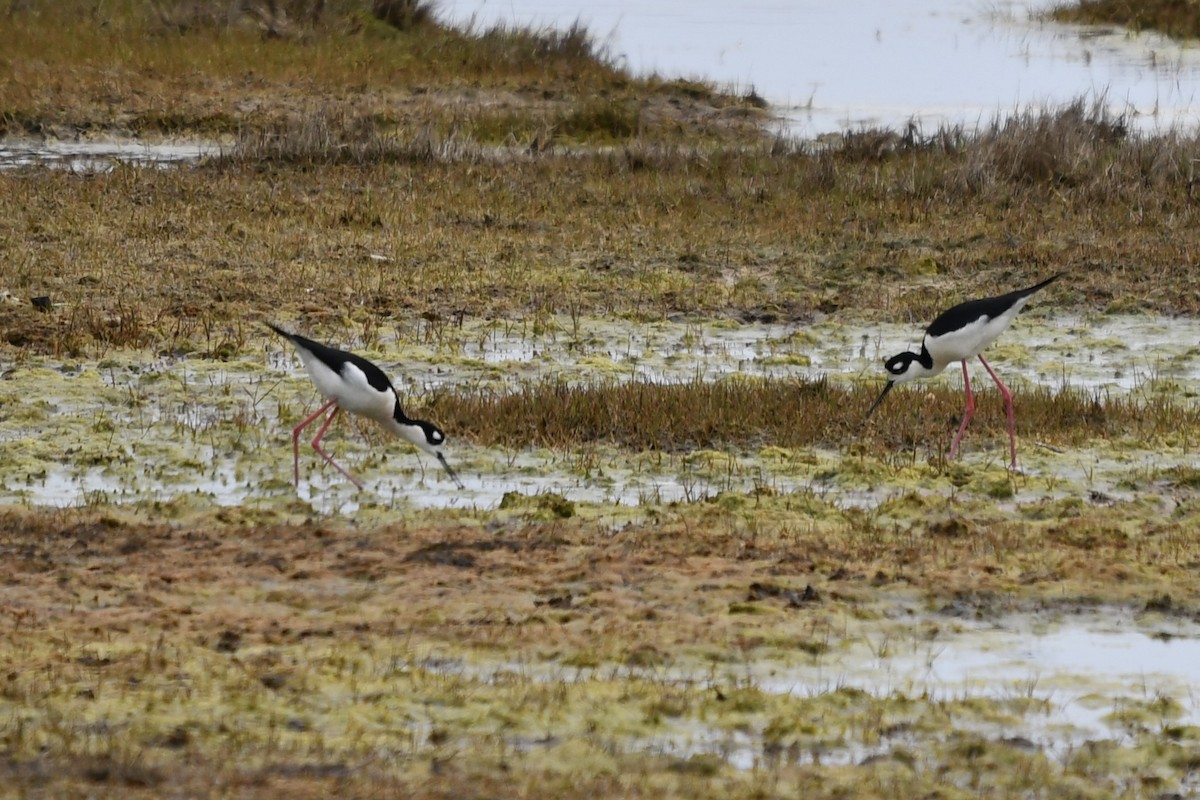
(351, 383)
(956, 335)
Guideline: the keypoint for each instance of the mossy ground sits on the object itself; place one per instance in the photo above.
(384, 187)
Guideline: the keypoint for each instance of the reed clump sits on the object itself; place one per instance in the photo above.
(745, 413)
(1177, 18)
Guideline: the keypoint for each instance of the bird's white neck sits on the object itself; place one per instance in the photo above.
(918, 371)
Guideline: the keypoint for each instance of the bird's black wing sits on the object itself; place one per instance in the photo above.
(336, 359)
(964, 314)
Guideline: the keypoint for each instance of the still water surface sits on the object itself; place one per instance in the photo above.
(830, 65)
(827, 66)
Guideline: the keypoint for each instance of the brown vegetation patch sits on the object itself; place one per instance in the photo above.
(1178, 18)
(751, 413)
(169, 259)
(209, 67)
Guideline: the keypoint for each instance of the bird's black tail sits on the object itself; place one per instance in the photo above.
(1037, 287)
(291, 337)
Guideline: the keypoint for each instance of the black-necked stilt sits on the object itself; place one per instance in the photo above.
(956, 335)
(349, 382)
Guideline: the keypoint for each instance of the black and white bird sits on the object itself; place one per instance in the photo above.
(353, 384)
(956, 335)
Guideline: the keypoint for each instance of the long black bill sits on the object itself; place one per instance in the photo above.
(879, 399)
(453, 474)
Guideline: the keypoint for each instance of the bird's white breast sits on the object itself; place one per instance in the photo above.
(350, 389)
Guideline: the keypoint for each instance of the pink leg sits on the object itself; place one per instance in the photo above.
(296, 439)
(967, 414)
(316, 443)
(1008, 406)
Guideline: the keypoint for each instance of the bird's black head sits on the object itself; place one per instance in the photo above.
(902, 367)
(426, 436)
(899, 364)
(433, 434)
(423, 434)
(907, 366)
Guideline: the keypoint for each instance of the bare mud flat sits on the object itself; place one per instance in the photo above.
(687, 643)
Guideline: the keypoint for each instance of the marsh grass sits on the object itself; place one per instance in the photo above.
(220, 68)
(1060, 148)
(327, 138)
(751, 413)
(1177, 18)
(324, 139)
(240, 654)
(391, 222)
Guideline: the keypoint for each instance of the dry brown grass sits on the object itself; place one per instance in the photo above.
(153, 258)
(1179, 18)
(751, 413)
(205, 67)
(461, 182)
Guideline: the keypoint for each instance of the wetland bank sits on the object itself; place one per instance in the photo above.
(682, 565)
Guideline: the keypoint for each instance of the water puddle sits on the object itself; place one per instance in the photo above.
(834, 66)
(1117, 353)
(1035, 682)
(1082, 672)
(91, 156)
(1016, 682)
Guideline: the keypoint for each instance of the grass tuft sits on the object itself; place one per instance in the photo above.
(1046, 147)
(1178, 18)
(326, 138)
(751, 413)
(404, 15)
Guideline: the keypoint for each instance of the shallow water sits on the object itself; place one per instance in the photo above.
(1112, 352)
(1083, 668)
(91, 156)
(1050, 682)
(135, 428)
(831, 66)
